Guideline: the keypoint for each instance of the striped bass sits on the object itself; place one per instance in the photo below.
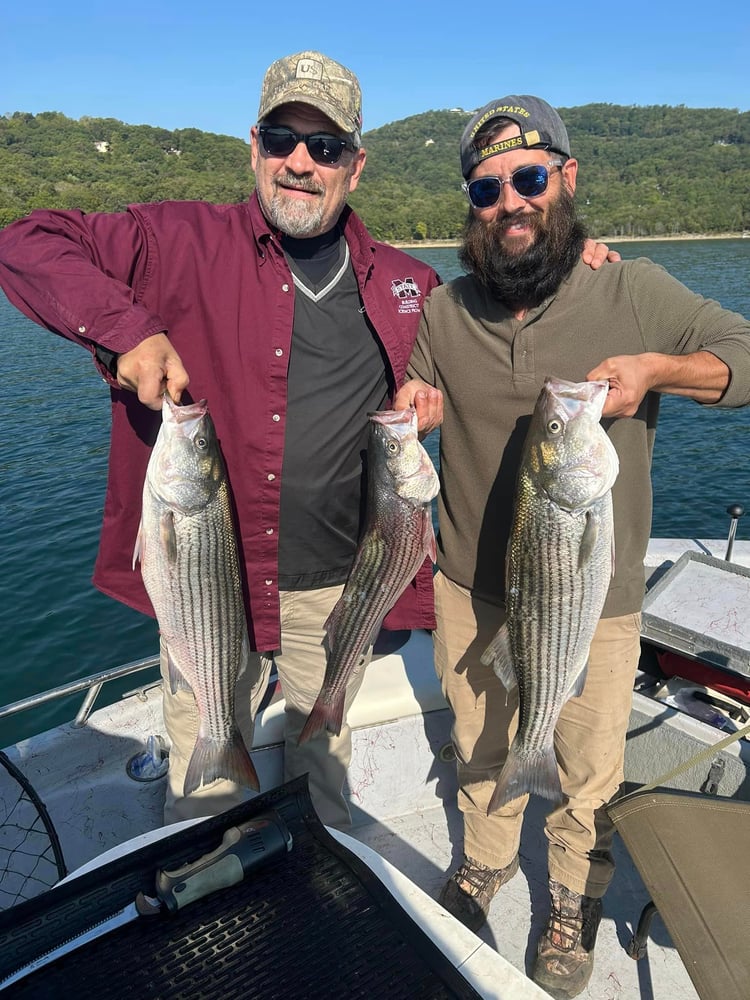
(398, 536)
(188, 553)
(559, 565)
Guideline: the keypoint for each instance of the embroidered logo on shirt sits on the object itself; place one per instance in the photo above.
(406, 290)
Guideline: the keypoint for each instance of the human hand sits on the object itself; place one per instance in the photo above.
(427, 401)
(629, 378)
(595, 254)
(151, 369)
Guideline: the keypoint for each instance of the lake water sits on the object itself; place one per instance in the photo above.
(55, 627)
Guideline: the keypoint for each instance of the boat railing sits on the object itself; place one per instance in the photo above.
(92, 685)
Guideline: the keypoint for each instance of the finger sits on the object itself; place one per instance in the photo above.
(402, 400)
(429, 406)
(177, 380)
(151, 388)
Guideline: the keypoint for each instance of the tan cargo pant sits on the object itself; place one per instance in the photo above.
(589, 740)
(300, 664)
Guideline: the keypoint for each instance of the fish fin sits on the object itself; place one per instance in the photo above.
(325, 715)
(168, 536)
(177, 681)
(498, 655)
(588, 539)
(523, 775)
(244, 656)
(138, 550)
(213, 760)
(429, 546)
(576, 688)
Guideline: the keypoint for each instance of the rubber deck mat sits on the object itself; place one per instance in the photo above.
(315, 922)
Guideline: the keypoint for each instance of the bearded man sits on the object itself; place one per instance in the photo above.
(529, 308)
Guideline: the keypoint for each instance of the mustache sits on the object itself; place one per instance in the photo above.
(307, 184)
(502, 223)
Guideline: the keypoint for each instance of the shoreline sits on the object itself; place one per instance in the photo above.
(438, 244)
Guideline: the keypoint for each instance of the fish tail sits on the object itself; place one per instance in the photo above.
(212, 760)
(325, 715)
(520, 775)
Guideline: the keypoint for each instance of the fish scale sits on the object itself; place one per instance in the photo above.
(554, 595)
(559, 566)
(203, 606)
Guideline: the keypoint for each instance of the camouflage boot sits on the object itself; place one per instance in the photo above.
(468, 892)
(565, 953)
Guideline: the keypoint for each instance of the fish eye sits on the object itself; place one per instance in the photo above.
(554, 426)
(392, 447)
(201, 443)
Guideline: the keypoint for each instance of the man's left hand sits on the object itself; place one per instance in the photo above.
(427, 401)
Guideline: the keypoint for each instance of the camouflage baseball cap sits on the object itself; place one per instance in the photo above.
(312, 78)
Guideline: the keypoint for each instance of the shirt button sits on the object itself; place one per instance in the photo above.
(285, 288)
(269, 582)
(269, 531)
(271, 477)
(279, 352)
(276, 418)
(81, 329)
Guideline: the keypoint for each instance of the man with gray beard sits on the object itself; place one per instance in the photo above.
(529, 308)
(293, 323)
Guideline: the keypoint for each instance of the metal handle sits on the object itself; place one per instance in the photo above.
(735, 511)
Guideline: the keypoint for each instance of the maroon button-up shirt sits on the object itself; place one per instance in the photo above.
(215, 279)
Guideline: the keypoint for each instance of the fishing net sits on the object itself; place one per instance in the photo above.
(31, 859)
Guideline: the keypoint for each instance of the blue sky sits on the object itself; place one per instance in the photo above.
(188, 64)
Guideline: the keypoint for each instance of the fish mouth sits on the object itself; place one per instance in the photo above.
(389, 417)
(181, 414)
(594, 393)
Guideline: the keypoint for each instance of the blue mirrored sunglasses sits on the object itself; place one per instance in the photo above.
(527, 182)
(278, 140)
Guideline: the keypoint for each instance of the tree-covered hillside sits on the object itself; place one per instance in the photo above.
(644, 171)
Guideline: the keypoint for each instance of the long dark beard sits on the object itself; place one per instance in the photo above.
(524, 280)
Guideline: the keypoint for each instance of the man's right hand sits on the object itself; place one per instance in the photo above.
(151, 369)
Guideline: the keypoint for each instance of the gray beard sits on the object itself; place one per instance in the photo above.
(294, 218)
(525, 280)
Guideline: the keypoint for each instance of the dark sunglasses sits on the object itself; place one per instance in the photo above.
(527, 182)
(278, 140)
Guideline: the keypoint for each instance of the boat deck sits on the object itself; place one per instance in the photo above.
(427, 844)
(402, 789)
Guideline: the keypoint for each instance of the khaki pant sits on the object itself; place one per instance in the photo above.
(300, 664)
(589, 740)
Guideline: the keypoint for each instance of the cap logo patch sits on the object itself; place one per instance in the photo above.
(308, 69)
